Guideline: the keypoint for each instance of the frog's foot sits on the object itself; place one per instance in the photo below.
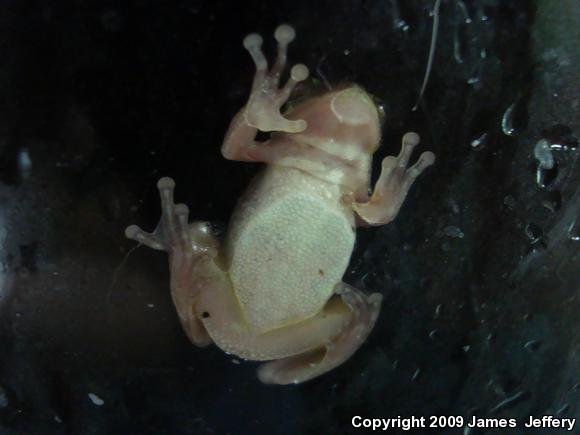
(394, 183)
(363, 311)
(263, 108)
(186, 246)
(172, 233)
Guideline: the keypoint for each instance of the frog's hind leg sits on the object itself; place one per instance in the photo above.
(363, 311)
(189, 247)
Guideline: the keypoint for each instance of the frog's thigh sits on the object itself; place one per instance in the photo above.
(219, 310)
(191, 324)
(189, 272)
(359, 310)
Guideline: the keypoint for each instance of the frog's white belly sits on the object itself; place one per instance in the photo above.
(289, 244)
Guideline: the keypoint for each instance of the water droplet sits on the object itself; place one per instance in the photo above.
(434, 334)
(545, 177)
(454, 232)
(507, 122)
(560, 138)
(398, 23)
(457, 48)
(546, 171)
(438, 311)
(479, 142)
(416, 375)
(96, 399)
(382, 108)
(464, 12)
(533, 345)
(554, 201)
(574, 231)
(534, 232)
(459, 36)
(543, 154)
(346, 52)
(402, 25)
(562, 147)
(466, 348)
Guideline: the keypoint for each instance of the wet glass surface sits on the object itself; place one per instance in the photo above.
(479, 272)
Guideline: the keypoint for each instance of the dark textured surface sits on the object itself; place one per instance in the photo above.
(479, 271)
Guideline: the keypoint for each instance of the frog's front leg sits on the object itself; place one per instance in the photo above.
(394, 183)
(262, 111)
(361, 314)
(190, 247)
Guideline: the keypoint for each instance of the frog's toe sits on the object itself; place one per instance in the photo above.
(134, 232)
(253, 43)
(181, 239)
(279, 123)
(425, 160)
(298, 74)
(166, 183)
(284, 34)
(166, 186)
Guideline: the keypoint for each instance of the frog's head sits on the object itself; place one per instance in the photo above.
(346, 120)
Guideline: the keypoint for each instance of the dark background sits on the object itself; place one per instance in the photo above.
(98, 99)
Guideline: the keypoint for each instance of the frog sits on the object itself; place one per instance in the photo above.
(271, 289)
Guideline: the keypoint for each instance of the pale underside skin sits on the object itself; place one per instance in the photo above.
(274, 290)
(293, 226)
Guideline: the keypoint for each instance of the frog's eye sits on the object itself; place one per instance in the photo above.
(353, 106)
